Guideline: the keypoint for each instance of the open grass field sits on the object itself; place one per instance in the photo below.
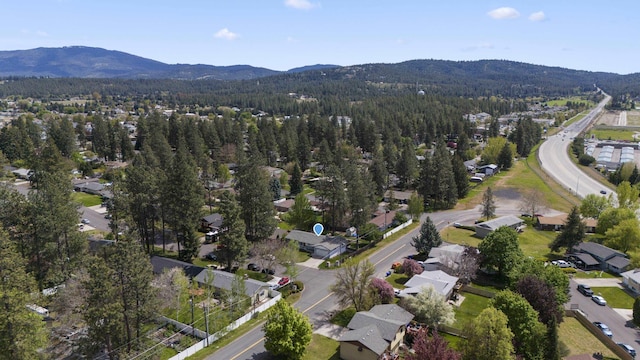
(616, 297)
(611, 134)
(573, 99)
(579, 340)
(633, 118)
(594, 275)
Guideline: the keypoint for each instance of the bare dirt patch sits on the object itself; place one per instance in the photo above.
(609, 118)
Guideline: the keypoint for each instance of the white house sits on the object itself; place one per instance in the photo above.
(442, 282)
(631, 280)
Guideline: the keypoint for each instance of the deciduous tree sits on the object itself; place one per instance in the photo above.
(593, 205)
(533, 202)
(489, 337)
(381, 291)
(352, 284)
(429, 307)
(415, 206)
(500, 250)
(627, 196)
(625, 236)
(528, 332)
(542, 297)
(411, 267)
(287, 332)
(611, 217)
(301, 214)
(433, 347)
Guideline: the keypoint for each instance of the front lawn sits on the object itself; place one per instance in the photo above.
(594, 275)
(397, 280)
(343, 317)
(616, 297)
(322, 348)
(85, 199)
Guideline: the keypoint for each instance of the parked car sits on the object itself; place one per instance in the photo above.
(599, 300)
(211, 256)
(268, 271)
(85, 221)
(631, 351)
(253, 267)
(603, 192)
(563, 263)
(284, 281)
(585, 290)
(604, 328)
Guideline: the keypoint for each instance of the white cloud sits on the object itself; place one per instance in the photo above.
(226, 34)
(42, 33)
(504, 13)
(537, 16)
(300, 4)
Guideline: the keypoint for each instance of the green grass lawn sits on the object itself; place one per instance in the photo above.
(576, 118)
(470, 308)
(573, 99)
(322, 348)
(455, 342)
(86, 199)
(594, 275)
(397, 280)
(616, 297)
(579, 340)
(609, 134)
(343, 317)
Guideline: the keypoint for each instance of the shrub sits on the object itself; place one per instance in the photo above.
(411, 267)
(586, 160)
(382, 291)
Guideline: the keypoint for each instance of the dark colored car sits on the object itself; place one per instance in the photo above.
(253, 267)
(585, 290)
(211, 256)
(603, 192)
(268, 271)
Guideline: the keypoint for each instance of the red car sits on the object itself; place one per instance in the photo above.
(283, 281)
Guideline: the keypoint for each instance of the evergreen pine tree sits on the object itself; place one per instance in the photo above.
(295, 184)
(428, 238)
(505, 158)
(572, 234)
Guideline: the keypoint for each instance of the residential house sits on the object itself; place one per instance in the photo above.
(90, 187)
(608, 259)
(283, 205)
(212, 223)
(490, 169)
(278, 234)
(485, 228)
(401, 197)
(442, 282)
(160, 264)
(375, 333)
(383, 221)
(322, 246)
(22, 173)
(631, 280)
(557, 222)
(258, 291)
(444, 258)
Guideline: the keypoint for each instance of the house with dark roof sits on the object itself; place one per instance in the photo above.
(374, 333)
(283, 205)
(322, 246)
(485, 228)
(211, 223)
(384, 220)
(160, 264)
(607, 258)
(90, 187)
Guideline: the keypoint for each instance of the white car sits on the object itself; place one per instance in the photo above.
(562, 263)
(599, 300)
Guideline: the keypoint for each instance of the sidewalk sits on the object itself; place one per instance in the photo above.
(330, 330)
(312, 263)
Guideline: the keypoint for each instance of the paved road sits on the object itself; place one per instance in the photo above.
(555, 161)
(317, 302)
(621, 328)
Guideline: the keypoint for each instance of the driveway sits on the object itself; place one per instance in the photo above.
(603, 282)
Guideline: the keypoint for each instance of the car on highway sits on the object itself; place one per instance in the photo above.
(631, 351)
(604, 328)
(599, 300)
(585, 290)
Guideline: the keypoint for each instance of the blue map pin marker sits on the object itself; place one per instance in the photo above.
(318, 229)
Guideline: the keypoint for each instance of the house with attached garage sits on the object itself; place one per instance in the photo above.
(320, 246)
(606, 258)
(256, 290)
(443, 283)
(375, 334)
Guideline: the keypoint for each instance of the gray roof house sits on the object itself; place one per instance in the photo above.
(485, 228)
(211, 222)
(442, 282)
(631, 280)
(222, 280)
(90, 187)
(608, 258)
(375, 332)
(322, 246)
(160, 264)
(443, 257)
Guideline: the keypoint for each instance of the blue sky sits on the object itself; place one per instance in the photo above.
(282, 34)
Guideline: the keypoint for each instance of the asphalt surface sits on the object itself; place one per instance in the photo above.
(555, 161)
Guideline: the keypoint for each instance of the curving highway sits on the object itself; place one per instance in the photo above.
(556, 162)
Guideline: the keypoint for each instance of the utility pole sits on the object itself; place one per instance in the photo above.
(193, 328)
(206, 323)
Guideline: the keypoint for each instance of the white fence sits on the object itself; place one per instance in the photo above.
(234, 325)
(397, 228)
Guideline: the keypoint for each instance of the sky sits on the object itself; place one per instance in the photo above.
(283, 34)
